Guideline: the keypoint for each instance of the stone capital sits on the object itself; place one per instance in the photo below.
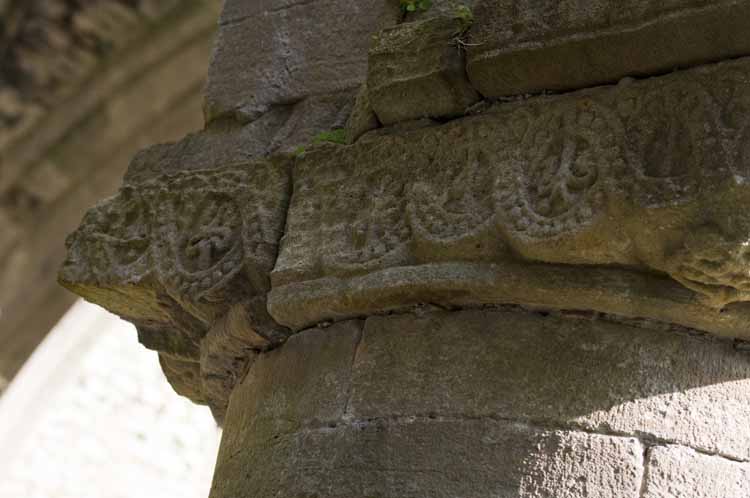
(326, 282)
(622, 200)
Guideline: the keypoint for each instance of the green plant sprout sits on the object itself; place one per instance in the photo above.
(415, 5)
(335, 136)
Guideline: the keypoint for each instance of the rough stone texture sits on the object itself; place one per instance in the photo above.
(416, 70)
(293, 426)
(528, 47)
(70, 130)
(320, 113)
(362, 118)
(280, 51)
(604, 377)
(618, 210)
(554, 180)
(488, 403)
(305, 381)
(418, 458)
(178, 253)
(187, 237)
(277, 132)
(439, 8)
(674, 471)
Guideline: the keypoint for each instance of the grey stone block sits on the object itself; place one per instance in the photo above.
(523, 366)
(291, 426)
(529, 47)
(676, 472)
(416, 70)
(362, 118)
(613, 188)
(431, 458)
(279, 52)
(307, 381)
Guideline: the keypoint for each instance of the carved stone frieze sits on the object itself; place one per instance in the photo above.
(175, 252)
(205, 238)
(619, 177)
(624, 200)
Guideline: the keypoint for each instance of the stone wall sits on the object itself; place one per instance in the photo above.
(492, 402)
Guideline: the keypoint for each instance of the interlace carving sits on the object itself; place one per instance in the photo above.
(554, 184)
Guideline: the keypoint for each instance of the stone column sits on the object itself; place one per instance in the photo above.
(399, 266)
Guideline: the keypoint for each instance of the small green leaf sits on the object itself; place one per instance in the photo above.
(411, 7)
(464, 13)
(336, 136)
(425, 4)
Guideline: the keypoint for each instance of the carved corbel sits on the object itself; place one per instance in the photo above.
(179, 255)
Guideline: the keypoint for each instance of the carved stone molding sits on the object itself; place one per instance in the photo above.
(179, 251)
(621, 200)
(619, 188)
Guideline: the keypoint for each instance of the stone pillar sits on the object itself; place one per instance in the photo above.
(392, 272)
(498, 401)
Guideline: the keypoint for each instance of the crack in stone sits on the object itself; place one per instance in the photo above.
(645, 475)
(648, 441)
(355, 354)
(571, 314)
(241, 19)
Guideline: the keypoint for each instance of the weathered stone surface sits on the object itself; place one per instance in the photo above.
(184, 377)
(278, 52)
(362, 118)
(307, 380)
(601, 376)
(674, 471)
(206, 238)
(440, 8)
(295, 423)
(223, 360)
(310, 117)
(278, 131)
(418, 458)
(416, 70)
(175, 253)
(527, 47)
(209, 149)
(588, 235)
(554, 180)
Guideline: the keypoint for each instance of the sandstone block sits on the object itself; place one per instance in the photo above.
(187, 236)
(213, 148)
(184, 377)
(674, 471)
(416, 70)
(529, 47)
(310, 117)
(586, 373)
(305, 382)
(415, 459)
(278, 52)
(362, 118)
(291, 424)
(636, 182)
(175, 251)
